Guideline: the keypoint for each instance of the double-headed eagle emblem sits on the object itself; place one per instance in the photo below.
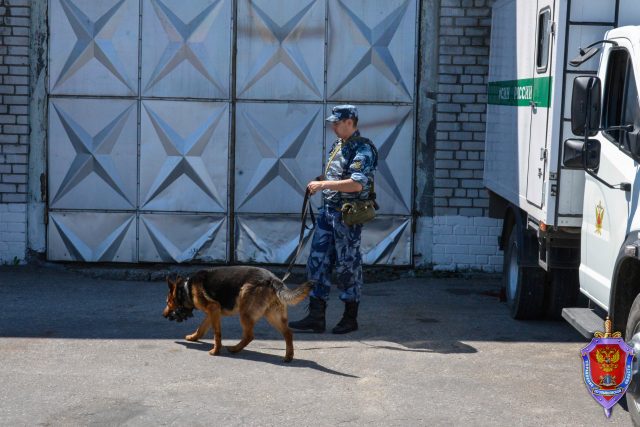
(599, 217)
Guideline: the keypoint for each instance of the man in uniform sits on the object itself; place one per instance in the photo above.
(348, 176)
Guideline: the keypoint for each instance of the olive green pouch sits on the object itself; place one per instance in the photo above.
(358, 212)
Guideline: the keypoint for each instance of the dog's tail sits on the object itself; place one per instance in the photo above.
(291, 297)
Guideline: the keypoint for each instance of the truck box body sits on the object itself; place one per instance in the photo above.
(529, 99)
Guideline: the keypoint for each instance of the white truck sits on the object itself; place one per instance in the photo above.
(562, 161)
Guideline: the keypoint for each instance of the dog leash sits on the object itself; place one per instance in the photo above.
(306, 209)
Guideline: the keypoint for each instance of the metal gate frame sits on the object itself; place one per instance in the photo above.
(375, 255)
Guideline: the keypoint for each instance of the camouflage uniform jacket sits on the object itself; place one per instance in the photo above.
(354, 158)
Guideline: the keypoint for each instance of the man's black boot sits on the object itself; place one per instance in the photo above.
(349, 321)
(315, 319)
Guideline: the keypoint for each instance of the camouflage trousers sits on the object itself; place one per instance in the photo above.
(335, 243)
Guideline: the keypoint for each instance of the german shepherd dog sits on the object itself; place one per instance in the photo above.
(251, 292)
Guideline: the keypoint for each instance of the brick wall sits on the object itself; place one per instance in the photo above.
(463, 59)
(463, 237)
(466, 243)
(14, 127)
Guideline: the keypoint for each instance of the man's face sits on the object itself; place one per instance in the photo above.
(343, 128)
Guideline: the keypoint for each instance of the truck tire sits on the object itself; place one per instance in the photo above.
(524, 286)
(633, 392)
(562, 290)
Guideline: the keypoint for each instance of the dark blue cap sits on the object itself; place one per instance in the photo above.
(342, 112)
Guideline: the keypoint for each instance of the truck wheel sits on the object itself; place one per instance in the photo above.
(633, 392)
(524, 286)
(562, 291)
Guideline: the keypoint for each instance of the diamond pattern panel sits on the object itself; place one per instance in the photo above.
(387, 240)
(391, 130)
(274, 239)
(371, 50)
(186, 48)
(92, 154)
(92, 237)
(270, 239)
(166, 160)
(183, 238)
(94, 48)
(278, 151)
(280, 49)
(183, 156)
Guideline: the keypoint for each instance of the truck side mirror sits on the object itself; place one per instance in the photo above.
(585, 105)
(575, 155)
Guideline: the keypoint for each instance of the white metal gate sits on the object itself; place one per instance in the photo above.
(187, 130)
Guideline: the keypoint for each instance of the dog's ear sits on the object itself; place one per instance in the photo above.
(171, 283)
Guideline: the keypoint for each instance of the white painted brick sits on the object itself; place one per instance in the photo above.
(469, 239)
(457, 220)
(12, 236)
(459, 230)
(442, 230)
(489, 240)
(482, 260)
(18, 248)
(466, 243)
(12, 217)
(445, 239)
(16, 227)
(495, 260)
(486, 222)
(482, 231)
(484, 249)
(495, 231)
(442, 259)
(464, 259)
(456, 249)
(444, 267)
(471, 230)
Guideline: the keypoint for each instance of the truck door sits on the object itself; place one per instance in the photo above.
(606, 220)
(539, 101)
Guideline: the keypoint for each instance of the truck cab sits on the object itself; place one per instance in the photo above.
(606, 113)
(611, 218)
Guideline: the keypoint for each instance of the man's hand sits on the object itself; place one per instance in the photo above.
(314, 186)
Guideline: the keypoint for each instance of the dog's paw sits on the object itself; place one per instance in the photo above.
(288, 359)
(192, 337)
(233, 348)
(214, 351)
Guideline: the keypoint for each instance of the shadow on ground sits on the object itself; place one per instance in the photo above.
(411, 315)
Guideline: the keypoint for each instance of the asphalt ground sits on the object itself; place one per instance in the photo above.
(76, 350)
